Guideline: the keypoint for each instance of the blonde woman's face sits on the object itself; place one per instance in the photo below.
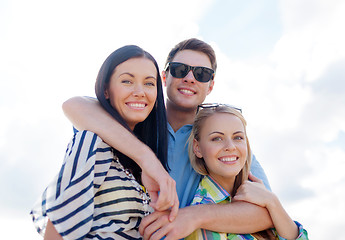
(223, 147)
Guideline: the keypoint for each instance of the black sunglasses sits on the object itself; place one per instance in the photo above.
(215, 105)
(180, 70)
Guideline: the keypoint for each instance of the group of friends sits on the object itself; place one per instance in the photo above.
(140, 167)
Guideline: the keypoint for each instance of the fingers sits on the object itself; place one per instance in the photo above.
(146, 221)
(170, 203)
(151, 226)
(252, 191)
(154, 197)
(174, 210)
(244, 190)
(160, 233)
(164, 199)
(238, 196)
(167, 197)
(253, 178)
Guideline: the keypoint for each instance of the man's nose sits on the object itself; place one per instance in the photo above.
(189, 77)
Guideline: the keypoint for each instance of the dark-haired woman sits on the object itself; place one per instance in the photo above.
(98, 193)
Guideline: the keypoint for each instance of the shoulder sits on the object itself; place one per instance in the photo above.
(85, 146)
(85, 137)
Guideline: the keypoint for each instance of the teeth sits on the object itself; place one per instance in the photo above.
(137, 105)
(186, 91)
(227, 159)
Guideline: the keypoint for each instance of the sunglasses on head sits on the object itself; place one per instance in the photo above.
(180, 70)
(215, 105)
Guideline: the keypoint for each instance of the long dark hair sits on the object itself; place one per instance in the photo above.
(153, 130)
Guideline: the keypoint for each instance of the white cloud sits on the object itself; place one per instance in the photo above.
(293, 101)
(313, 38)
(50, 51)
(10, 225)
(292, 98)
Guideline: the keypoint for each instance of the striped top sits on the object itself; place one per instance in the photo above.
(93, 196)
(210, 192)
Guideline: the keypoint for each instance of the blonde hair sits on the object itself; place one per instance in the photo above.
(199, 164)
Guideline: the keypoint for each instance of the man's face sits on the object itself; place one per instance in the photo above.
(187, 93)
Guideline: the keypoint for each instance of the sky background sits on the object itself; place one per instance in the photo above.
(281, 61)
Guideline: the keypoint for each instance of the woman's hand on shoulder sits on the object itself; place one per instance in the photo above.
(161, 187)
(254, 191)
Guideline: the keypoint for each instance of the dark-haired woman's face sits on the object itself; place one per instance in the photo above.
(132, 89)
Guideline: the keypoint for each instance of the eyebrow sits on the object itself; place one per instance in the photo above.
(216, 132)
(238, 132)
(223, 133)
(127, 73)
(130, 74)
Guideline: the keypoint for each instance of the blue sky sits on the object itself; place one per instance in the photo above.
(251, 29)
(281, 61)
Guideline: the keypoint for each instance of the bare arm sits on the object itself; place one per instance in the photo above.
(87, 114)
(284, 225)
(51, 233)
(256, 193)
(236, 217)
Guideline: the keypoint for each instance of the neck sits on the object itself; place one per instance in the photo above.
(178, 117)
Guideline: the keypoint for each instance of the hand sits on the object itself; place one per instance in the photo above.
(256, 193)
(155, 180)
(157, 225)
(253, 191)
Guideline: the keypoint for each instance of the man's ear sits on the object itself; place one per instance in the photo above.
(210, 86)
(196, 149)
(164, 78)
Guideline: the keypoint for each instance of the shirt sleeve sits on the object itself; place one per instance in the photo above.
(259, 172)
(302, 233)
(68, 199)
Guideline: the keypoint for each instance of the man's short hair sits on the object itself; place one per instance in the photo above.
(195, 45)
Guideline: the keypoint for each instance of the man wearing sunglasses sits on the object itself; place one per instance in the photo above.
(189, 78)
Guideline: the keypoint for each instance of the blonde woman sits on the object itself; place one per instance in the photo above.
(219, 149)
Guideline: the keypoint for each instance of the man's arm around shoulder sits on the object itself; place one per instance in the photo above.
(235, 217)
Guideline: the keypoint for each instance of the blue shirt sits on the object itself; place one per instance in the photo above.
(187, 179)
